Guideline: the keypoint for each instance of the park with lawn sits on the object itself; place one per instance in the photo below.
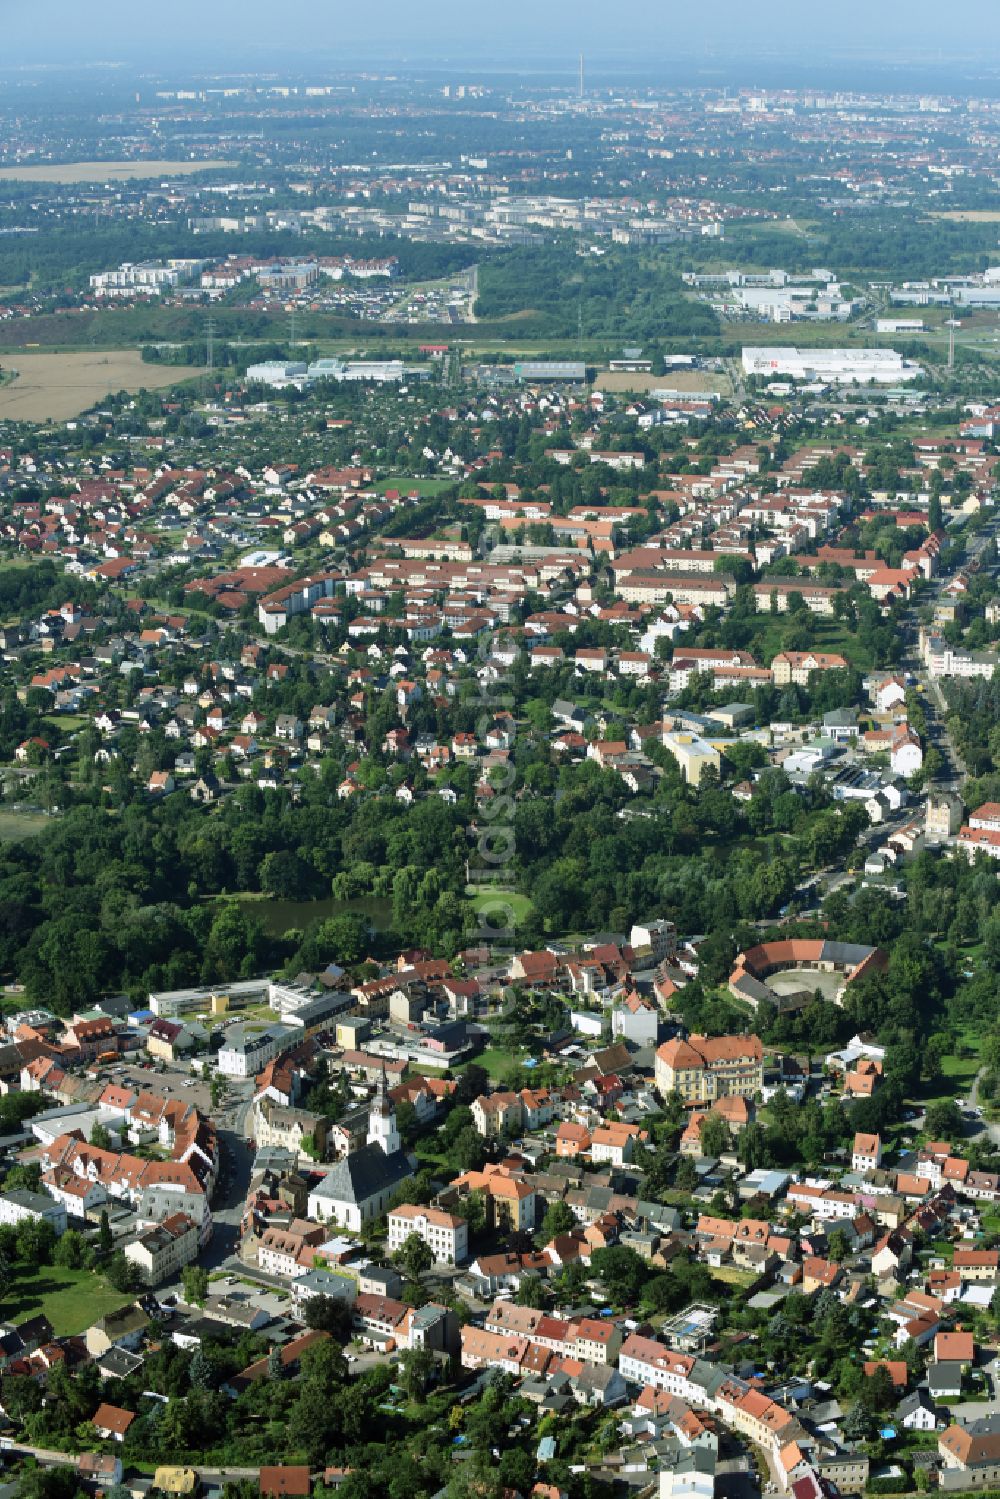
(72, 1300)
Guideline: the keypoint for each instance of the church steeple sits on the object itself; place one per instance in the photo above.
(382, 1129)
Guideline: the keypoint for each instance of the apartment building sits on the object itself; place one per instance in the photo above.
(248, 1048)
(163, 1251)
(510, 1202)
(693, 754)
(977, 1264)
(796, 666)
(289, 1252)
(445, 1234)
(21, 1206)
(290, 1129)
(615, 1142)
(497, 1114)
(597, 1341)
(867, 1153)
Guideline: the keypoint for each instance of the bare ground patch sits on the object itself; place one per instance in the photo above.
(70, 172)
(692, 381)
(55, 387)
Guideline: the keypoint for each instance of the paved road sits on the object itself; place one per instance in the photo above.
(982, 1125)
(65, 1459)
(236, 1170)
(935, 704)
(965, 1411)
(236, 1167)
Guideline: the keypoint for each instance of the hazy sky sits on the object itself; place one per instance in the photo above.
(223, 33)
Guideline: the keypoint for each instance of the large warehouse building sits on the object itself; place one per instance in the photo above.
(831, 366)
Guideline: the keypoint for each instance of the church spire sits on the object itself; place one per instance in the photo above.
(382, 1129)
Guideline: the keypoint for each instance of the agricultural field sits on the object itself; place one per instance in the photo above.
(56, 387)
(694, 382)
(70, 172)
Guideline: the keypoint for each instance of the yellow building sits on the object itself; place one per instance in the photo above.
(179, 1481)
(705, 1068)
(352, 1031)
(693, 755)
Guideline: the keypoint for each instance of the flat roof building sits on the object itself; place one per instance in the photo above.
(570, 372)
(833, 366)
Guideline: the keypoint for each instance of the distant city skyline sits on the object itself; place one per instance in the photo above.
(552, 34)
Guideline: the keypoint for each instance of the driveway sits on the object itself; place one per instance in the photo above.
(979, 1126)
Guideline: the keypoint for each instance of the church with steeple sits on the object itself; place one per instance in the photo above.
(382, 1129)
(362, 1185)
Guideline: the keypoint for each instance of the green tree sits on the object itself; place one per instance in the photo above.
(201, 1371)
(622, 1271)
(194, 1279)
(315, 1421)
(751, 1146)
(36, 1242)
(416, 1372)
(686, 1176)
(943, 1120)
(715, 1136)
(70, 1250)
(329, 1314)
(468, 1152)
(122, 1274)
(877, 1394)
(414, 1257)
(23, 1178)
(532, 1292)
(838, 1246)
(559, 1219)
(473, 1209)
(286, 875)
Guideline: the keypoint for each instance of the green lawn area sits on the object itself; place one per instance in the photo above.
(17, 825)
(68, 722)
(427, 1156)
(497, 1060)
(490, 897)
(825, 635)
(71, 1299)
(411, 485)
(424, 1069)
(728, 1275)
(959, 1071)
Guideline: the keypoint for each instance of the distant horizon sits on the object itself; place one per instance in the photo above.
(893, 35)
(958, 78)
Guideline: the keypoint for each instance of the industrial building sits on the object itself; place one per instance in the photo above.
(278, 374)
(565, 372)
(831, 366)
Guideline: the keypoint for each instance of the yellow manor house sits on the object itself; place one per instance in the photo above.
(705, 1068)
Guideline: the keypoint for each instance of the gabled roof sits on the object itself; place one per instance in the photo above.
(364, 1174)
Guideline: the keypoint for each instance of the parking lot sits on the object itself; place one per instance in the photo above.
(168, 1081)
